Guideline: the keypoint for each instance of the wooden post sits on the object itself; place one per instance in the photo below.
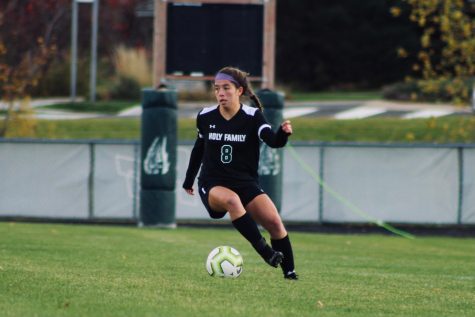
(268, 59)
(160, 42)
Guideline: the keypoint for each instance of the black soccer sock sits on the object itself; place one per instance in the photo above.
(247, 227)
(283, 245)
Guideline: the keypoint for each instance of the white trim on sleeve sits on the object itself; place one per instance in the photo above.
(251, 111)
(261, 128)
(207, 109)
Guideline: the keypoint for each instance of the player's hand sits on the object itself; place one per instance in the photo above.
(286, 127)
(189, 191)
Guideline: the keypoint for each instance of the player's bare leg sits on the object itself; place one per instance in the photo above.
(223, 199)
(265, 213)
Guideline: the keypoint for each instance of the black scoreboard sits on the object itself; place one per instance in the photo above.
(202, 38)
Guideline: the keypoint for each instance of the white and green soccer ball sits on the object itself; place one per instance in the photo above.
(224, 261)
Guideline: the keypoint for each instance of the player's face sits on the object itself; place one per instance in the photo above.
(226, 93)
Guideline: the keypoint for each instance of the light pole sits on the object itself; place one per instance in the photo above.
(74, 44)
(92, 80)
(74, 48)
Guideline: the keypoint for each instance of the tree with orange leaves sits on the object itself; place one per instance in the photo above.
(27, 45)
(447, 55)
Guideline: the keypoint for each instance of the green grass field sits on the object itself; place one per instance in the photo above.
(79, 270)
(451, 129)
(104, 107)
(387, 130)
(114, 107)
(334, 95)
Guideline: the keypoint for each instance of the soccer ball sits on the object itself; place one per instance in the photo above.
(224, 261)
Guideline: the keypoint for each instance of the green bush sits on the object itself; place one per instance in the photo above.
(400, 91)
(57, 79)
(448, 90)
(125, 88)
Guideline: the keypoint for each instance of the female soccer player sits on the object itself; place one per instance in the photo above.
(227, 149)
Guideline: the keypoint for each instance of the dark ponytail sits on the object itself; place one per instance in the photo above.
(241, 77)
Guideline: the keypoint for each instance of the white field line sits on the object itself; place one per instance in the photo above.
(298, 111)
(39, 102)
(427, 113)
(134, 111)
(359, 113)
(53, 115)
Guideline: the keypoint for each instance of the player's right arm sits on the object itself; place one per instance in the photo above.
(193, 165)
(195, 162)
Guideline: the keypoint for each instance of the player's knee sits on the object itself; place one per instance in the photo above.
(275, 226)
(232, 202)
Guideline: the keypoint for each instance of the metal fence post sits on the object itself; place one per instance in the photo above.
(320, 186)
(460, 171)
(90, 185)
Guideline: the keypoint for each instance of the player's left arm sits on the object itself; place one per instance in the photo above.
(276, 139)
(286, 127)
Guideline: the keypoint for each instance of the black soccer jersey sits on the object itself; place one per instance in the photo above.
(229, 149)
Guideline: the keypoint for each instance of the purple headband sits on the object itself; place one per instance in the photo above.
(223, 76)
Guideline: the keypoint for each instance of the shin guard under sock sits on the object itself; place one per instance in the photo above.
(247, 227)
(283, 245)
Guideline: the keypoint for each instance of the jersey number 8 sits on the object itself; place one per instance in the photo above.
(226, 153)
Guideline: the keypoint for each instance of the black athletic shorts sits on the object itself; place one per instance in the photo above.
(246, 192)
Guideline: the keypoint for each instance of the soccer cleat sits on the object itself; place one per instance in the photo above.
(291, 276)
(272, 257)
(275, 259)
